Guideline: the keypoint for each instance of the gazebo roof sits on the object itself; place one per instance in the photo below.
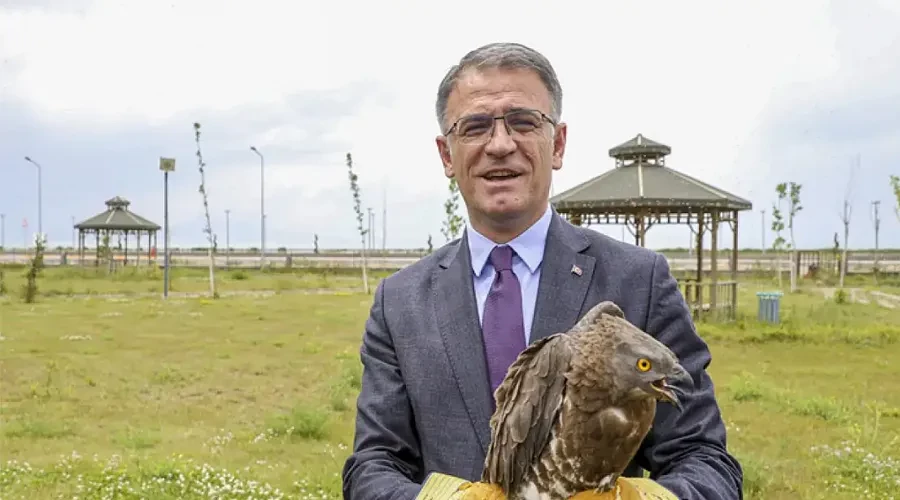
(639, 145)
(641, 179)
(118, 217)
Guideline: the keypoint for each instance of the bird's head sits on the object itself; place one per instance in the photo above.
(647, 368)
(641, 366)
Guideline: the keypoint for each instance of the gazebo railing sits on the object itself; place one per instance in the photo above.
(707, 299)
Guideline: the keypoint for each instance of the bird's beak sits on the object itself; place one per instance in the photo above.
(668, 387)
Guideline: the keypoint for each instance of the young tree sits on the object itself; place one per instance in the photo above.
(778, 244)
(33, 270)
(845, 219)
(794, 209)
(316, 244)
(430, 247)
(105, 253)
(208, 228)
(354, 190)
(453, 223)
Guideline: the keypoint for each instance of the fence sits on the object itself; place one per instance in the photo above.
(708, 300)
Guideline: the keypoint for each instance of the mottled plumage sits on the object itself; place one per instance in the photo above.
(574, 407)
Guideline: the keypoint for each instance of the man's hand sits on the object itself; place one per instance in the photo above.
(630, 488)
(444, 487)
(478, 491)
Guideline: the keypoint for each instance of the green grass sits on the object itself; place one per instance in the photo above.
(193, 397)
(261, 387)
(812, 404)
(132, 281)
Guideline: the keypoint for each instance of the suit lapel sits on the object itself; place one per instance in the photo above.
(456, 312)
(561, 295)
(566, 276)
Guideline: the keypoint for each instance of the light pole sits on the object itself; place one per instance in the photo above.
(227, 237)
(40, 225)
(763, 218)
(166, 165)
(262, 207)
(877, 221)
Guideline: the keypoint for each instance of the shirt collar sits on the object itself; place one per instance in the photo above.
(529, 245)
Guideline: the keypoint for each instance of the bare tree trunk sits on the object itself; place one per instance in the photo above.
(365, 274)
(846, 237)
(778, 267)
(212, 266)
(354, 189)
(845, 218)
(208, 229)
(843, 262)
(793, 261)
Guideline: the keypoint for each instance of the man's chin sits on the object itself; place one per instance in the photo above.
(507, 211)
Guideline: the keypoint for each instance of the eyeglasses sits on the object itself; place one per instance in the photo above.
(522, 124)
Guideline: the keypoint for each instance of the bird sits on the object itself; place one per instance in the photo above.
(574, 407)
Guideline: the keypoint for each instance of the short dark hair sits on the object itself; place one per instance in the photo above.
(501, 55)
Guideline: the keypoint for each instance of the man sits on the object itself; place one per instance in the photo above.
(430, 351)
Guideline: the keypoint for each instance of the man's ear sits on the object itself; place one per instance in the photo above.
(559, 145)
(444, 151)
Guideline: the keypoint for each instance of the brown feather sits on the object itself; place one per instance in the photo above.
(528, 401)
(573, 409)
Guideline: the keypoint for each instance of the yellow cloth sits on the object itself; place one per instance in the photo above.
(445, 487)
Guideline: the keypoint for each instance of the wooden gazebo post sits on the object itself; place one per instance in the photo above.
(701, 226)
(734, 259)
(714, 263)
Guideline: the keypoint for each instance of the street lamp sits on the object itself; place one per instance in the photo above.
(262, 207)
(762, 218)
(40, 225)
(166, 165)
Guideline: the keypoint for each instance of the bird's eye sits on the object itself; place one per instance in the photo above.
(643, 364)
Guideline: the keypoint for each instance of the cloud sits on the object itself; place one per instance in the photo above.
(746, 94)
(69, 6)
(296, 136)
(815, 129)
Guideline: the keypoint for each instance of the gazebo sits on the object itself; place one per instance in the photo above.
(641, 191)
(119, 220)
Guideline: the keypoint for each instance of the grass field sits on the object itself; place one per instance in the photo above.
(69, 281)
(127, 396)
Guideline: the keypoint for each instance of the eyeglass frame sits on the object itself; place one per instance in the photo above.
(500, 117)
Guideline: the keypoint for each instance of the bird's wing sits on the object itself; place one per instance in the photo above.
(528, 402)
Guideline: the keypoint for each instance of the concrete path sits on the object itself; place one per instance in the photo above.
(862, 296)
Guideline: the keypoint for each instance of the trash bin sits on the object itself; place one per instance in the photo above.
(769, 307)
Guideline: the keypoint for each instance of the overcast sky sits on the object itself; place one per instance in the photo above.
(747, 94)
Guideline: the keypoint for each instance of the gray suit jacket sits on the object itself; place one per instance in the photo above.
(425, 401)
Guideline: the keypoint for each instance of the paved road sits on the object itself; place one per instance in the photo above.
(678, 263)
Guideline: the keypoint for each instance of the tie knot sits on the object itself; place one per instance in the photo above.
(501, 258)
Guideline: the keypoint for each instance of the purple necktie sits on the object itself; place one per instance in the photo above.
(503, 328)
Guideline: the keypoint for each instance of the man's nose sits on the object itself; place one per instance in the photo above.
(500, 142)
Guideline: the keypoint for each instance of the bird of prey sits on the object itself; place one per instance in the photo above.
(575, 407)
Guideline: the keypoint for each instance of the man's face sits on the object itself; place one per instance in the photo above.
(531, 157)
